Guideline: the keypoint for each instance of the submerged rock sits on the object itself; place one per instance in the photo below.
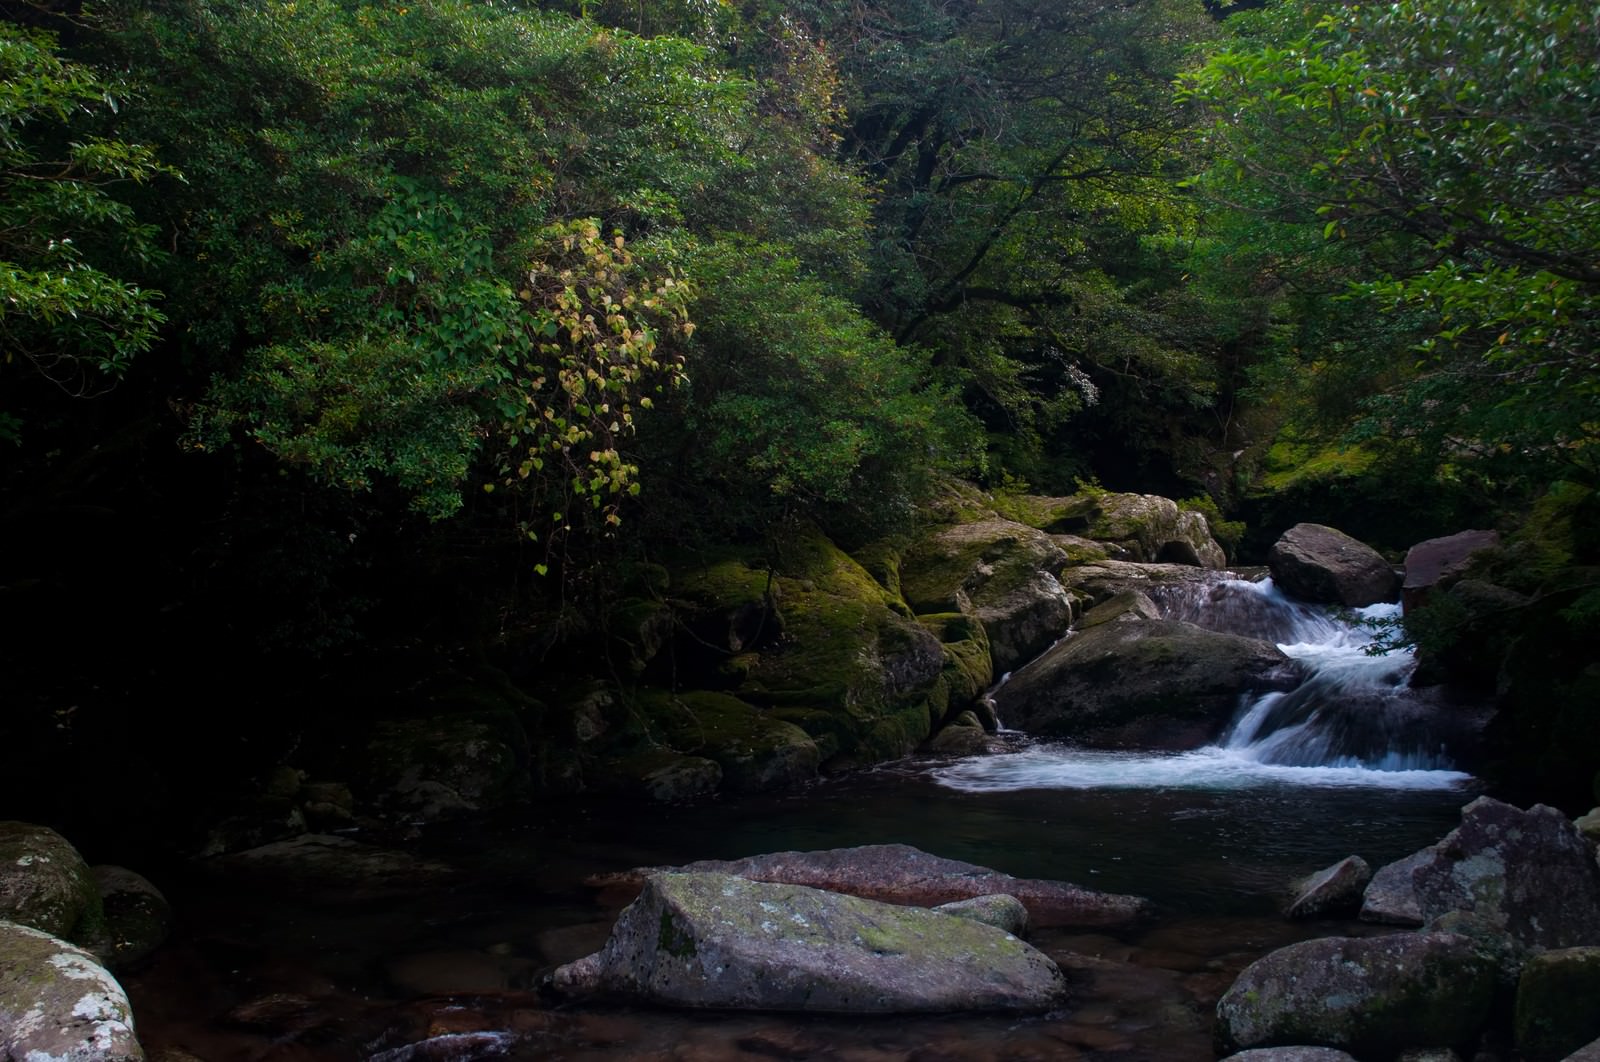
(324, 866)
(1141, 683)
(1371, 997)
(720, 941)
(1332, 892)
(58, 1004)
(901, 874)
(44, 883)
(1321, 564)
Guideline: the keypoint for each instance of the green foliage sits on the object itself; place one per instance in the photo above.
(796, 401)
(1452, 148)
(64, 317)
(394, 259)
(1228, 533)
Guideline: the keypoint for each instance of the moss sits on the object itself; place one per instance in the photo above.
(674, 941)
(1047, 514)
(755, 750)
(1289, 464)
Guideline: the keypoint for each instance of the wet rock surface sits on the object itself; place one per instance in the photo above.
(1438, 562)
(716, 940)
(901, 874)
(1141, 683)
(138, 917)
(1390, 897)
(1318, 563)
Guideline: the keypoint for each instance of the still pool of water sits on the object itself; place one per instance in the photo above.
(267, 973)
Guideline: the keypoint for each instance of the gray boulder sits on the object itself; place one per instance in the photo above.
(719, 941)
(1587, 1053)
(1290, 1054)
(44, 883)
(1371, 997)
(1332, 892)
(1438, 562)
(1141, 684)
(58, 1004)
(1391, 898)
(1318, 563)
(901, 874)
(1098, 581)
(1529, 873)
(1002, 573)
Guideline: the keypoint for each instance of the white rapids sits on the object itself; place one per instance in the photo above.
(1353, 721)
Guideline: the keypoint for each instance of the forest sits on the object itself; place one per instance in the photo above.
(352, 344)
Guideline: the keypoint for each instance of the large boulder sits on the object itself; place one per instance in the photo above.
(754, 750)
(1437, 563)
(720, 941)
(1141, 683)
(1371, 997)
(901, 874)
(1548, 1025)
(1000, 572)
(58, 1004)
(843, 659)
(1530, 874)
(44, 883)
(1317, 563)
(1099, 581)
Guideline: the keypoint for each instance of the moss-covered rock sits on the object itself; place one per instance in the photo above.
(717, 941)
(968, 670)
(58, 1004)
(433, 767)
(1372, 997)
(999, 571)
(45, 884)
(659, 774)
(755, 751)
(1552, 1020)
(840, 645)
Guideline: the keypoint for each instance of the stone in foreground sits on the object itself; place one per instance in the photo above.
(1290, 1054)
(58, 1004)
(1371, 997)
(901, 874)
(719, 941)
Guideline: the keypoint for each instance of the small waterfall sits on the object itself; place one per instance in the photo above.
(1352, 721)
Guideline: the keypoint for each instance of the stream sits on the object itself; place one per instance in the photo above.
(1344, 764)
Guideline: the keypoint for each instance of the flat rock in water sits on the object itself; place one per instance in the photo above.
(1332, 892)
(720, 941)
(901, 874)
(58, 1004)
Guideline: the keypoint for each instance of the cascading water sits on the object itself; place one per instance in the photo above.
(1353, 720)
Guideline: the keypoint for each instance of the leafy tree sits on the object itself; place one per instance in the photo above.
(1453, 147)
(65, 316)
